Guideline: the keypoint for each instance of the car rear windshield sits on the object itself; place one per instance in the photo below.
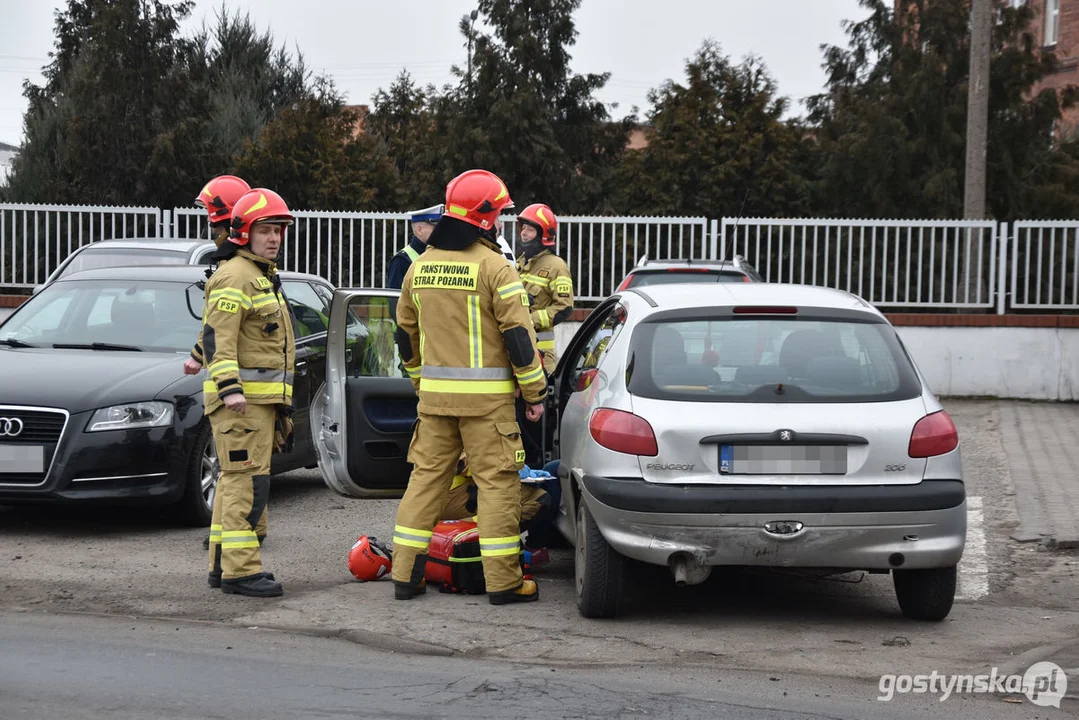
(771, 359)
(670, 277)
(90, 258)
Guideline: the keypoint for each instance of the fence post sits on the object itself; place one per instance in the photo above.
(1004, 238)
(714, 235)
(165, 230)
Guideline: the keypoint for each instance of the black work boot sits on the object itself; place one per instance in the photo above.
(406, 591)
(257, 585)
(214, 578)
(527, 591)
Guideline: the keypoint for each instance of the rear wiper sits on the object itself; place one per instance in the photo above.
(96, 346)
(12, 342)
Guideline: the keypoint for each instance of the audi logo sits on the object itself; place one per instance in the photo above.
(10, 427)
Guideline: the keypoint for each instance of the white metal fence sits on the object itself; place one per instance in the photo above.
(889, 263)
(909, 264)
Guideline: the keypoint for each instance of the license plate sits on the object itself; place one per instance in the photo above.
(22, 459)
(783, 459)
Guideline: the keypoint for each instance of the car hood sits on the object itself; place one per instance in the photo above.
(80, 380)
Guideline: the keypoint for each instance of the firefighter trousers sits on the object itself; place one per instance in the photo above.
(244, 447)
(495, 456)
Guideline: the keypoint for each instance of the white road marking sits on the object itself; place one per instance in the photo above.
(974, 566)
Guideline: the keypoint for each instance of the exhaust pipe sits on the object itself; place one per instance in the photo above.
(688, 571)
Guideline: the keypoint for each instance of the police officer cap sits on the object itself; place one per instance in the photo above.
(428, 215)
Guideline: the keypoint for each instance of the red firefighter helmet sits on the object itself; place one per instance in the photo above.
(477, 197)
(369, 559)
(220, 195)
(542, 218)
(258, 205)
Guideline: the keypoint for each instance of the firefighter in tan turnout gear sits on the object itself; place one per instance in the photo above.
(550, 291)
(467, 343)
(250, 353)
(217, 198)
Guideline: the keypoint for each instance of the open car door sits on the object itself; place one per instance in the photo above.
(362, 423)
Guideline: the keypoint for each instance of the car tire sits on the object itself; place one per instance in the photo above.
(926, 594)
(203, 470)
(598, 569)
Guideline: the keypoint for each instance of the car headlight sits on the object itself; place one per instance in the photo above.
(131, 416)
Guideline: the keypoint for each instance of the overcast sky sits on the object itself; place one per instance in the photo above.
(364, 44)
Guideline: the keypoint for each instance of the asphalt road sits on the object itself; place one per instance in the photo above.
(1014, 598)
(121, 669)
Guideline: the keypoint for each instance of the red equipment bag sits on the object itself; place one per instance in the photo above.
(453, 558)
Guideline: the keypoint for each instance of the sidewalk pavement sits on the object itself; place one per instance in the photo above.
(1041, 440)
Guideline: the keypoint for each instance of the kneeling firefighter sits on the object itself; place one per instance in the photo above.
(467, 342)
(250, 352)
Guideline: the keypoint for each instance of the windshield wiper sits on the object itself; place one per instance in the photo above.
(12, 342)
(96, 346)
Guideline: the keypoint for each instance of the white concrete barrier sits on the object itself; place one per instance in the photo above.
(1005, 362)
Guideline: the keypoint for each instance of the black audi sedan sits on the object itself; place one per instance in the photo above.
(94, 403)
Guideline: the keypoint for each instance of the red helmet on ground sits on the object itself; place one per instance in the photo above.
(258, 205)
(477, 197)
(542, 218)
(220, 195)
(369, 559)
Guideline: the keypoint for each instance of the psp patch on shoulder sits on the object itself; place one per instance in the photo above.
(519, 457)
(229, 306)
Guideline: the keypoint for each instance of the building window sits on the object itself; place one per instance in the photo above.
(1052, 20)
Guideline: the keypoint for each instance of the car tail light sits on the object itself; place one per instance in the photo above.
(585, 380)
(764, 310)
(745, 278)
(623, 432)
(624, 284)
(935, 434)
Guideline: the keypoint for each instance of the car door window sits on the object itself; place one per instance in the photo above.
(310, 313)
(595, 348)
(369, 335)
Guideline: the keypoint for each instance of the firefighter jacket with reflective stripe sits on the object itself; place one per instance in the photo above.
(550, 288)
(471, 344)
(247, 335)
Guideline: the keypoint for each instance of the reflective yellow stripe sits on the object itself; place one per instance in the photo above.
(414, 372)
(267, 388)
(252, 389)
(514, 288)
(411, 537)
(238, 539)
(215, 533)
(544, 318)
(475, 332)
(545, 344)
(263, 301)
(223, 366)
(527, 377)
(230, 294)
(467, 387)
(496, 547)
(536, 280)
(423, 335)
(412, 254)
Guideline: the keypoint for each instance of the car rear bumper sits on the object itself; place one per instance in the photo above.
(850, 528)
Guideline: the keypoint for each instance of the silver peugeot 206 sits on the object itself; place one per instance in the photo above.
(770, 425)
